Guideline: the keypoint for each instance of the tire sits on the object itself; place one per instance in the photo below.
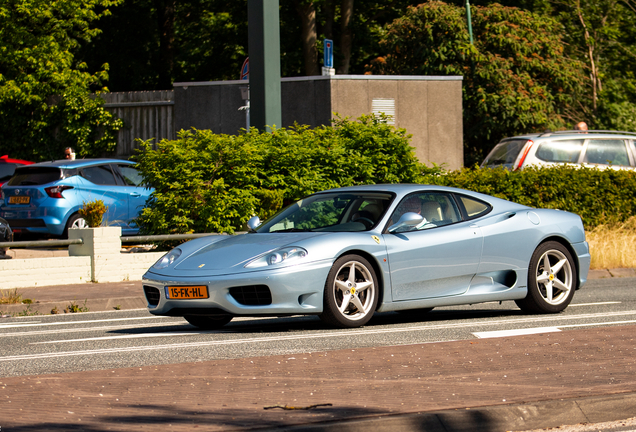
(75, 221)
(351, 293)
(207, 322)
(551, 279)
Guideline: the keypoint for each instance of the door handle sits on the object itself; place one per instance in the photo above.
(135, 194)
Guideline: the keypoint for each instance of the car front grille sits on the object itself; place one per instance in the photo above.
(152, 295)
(252, 295)
(26, 223)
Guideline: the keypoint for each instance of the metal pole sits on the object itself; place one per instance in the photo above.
(469, 19)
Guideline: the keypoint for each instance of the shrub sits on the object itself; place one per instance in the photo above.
(206, 182)
(93, 212)
(598, 196)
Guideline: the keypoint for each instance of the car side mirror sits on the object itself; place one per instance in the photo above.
(407, 219)
(253, 223)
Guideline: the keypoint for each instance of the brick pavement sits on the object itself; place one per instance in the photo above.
(513, 383)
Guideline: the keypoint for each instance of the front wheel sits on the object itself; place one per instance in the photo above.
(208, 322)
(351, 293)
(551, 279)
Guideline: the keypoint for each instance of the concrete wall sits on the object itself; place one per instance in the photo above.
(428, 107)
(99, 259)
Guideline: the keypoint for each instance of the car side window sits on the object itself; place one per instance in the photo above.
(560, 151)
(605, 152)
(437, 209)
(130, 175)
(99, 175)
(474, 207)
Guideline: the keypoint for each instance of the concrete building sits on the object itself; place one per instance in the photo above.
(428, 107)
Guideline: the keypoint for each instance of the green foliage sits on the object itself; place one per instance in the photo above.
(206, 182)
(599, 197)
(93, 212)
(516, 76)
(44, 92)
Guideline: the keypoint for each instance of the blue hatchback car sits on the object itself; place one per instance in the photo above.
(45, 198)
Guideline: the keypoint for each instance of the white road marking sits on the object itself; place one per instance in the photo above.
(37, 323)
(296, 337)
(595, 304)
(515, 332)
(133, 336)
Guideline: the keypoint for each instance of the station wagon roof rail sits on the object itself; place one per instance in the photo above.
(566, 132)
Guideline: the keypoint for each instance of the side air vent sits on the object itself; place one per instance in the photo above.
(152, 295)
(252, 295)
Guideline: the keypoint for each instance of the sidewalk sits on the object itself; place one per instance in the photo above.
(490, 385)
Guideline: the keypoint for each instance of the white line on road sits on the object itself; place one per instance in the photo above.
(35, 323)
(133, 336)
(595, 304)
(515, 332)
(295, 337)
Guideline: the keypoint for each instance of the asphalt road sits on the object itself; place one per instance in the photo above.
(119, 339)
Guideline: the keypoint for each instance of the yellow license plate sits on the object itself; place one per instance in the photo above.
(19, 200)
(187, 292)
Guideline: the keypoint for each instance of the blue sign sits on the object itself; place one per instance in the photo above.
(245, 69)
(328, 53)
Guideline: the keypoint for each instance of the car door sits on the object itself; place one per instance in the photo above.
(132, 186)
(102, 185)
(437, 258)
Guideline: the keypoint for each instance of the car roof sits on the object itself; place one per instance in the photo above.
(78, 163)
(570, 134)
(7, 159)
(400, 188)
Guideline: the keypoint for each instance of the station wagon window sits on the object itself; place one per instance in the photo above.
(437, 208)
(474, 207)
(606, 152)
(99, 175)
(505, 153)
(560, 151)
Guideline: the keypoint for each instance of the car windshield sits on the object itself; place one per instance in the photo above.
(505, 153)
(336, 212)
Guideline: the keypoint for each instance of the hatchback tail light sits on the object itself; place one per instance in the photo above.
(526, 149)
(56, 191)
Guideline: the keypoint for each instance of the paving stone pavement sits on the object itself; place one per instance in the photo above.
(515, 383)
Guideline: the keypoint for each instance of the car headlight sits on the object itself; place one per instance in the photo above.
(286, 255)
(168, 259)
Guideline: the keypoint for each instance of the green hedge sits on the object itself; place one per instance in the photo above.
(599, 197)
(208, 182)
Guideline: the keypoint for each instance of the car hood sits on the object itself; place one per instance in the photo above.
(211, 256)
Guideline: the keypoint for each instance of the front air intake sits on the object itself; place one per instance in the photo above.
(252, 295)
(152, 295)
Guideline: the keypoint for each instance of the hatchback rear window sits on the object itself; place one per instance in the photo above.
(34, 176)
(505, 153)
(6, 170)
(560, 151)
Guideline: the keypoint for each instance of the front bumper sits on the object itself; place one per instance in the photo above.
(294, 290)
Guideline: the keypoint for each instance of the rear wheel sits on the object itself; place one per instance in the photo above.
(75, 221)
(351, 293)
(551, 279)
(207, 322)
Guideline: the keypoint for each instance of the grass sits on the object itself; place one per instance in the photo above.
(613, 246)
(10, 297)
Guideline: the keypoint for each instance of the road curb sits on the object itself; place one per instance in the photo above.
(516, 417)
(91, 305)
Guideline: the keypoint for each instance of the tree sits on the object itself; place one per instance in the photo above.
(45, 101)
(516, 76)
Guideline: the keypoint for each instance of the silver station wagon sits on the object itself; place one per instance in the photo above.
(600, 149)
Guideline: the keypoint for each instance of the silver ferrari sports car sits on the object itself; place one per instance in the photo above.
(343, 254)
